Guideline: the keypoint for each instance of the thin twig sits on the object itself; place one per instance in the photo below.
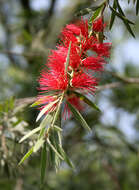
(34, 54)
(123, 78)
(109, 86)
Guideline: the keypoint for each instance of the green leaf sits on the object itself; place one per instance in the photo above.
(137, 7)
(78, 117)
(43, 162)
(57, 110)
(38, 145)
(113, 15)
(95, 15)
(121, 16)
(129, 29)
(66, 159)
(97, 12)
(42, 132)
(58, 128)
(47, 120)
(87, 10)
(52, 156)
(30, 134)
(68, 58)
(35, 103)
(125, 20)
(54, 149)
(46, 108)
(26, 156)
(119, 8)
(87, 101)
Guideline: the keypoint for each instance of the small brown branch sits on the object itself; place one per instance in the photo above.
(109, 86)
(34, 54)
(25, 101)
(128, 80)
(124, 79)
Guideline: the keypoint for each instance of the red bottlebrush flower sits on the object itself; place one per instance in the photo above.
(53, 81)
(94, 63)
(83, 25)
(98, 25)
(75, 58)
(87, 44)
(68, 36)
(84, 81)
(56, 61)
(102, 49)
(76, 34)
(56, 78)
(74, 29)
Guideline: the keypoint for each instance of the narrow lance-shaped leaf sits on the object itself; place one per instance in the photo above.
(54, 149)
(42, 132)
(59, 138)
(129, 29)
(125, 20)
(137, 7)
(78, 117)
(97, 12)
(87, 101)
(47, 120)
(44, 124)
(95, 15)
(43, 162)
(119, 8)
(26, 156)
(66, 159)
(58, 128)
(30, 134)
(87, 10)
(46, 108)
(35, 103)
(38, 144)
(121, 16)
(57, 110)
(113, 15)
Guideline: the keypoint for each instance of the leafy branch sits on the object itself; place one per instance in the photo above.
(116, 11)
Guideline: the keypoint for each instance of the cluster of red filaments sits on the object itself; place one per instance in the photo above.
(82, 67)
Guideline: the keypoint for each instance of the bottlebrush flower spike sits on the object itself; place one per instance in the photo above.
(102, 49)
(84, 81)
(94, 63)
(98, 25)
(81, 40)
(53, 81)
